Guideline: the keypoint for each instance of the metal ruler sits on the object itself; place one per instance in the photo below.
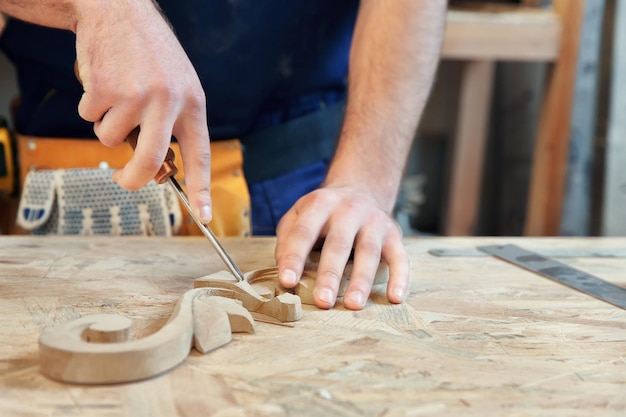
(561, 273)
(548, 252)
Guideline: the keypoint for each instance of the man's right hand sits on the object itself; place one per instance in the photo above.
(134, 73)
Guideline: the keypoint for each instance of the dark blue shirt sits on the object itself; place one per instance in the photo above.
(260, 62)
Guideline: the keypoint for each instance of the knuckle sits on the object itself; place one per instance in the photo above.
(87, 112)
(134, 92)
(339, 243)
(149, 163)
(330, 275)
(162, 93)
(369, 248)
(393, 228)
(302, 231)
(361, 281)
(352, 204)
(107, 136)
(317, 199)
(203, 156)
(290, 258)
(196, 100)
(108, 132)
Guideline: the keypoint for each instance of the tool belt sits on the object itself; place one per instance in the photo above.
(86, 201)
(229, 191)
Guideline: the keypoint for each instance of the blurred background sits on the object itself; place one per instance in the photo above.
(518, 137)
(530, 95)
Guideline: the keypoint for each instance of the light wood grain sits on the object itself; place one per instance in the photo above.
(476, 336)
(500, 32)
(469, 147)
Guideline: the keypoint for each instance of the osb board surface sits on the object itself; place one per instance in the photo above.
(477, 336)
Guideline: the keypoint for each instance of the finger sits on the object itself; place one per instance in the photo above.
(282, 229)
(193, 137)
(152, 145)
(295, 242)
(284, 226)
(367, 253)
(395, 254)
(115, 125)
(334, 257)
(93, 104)
(91, 109)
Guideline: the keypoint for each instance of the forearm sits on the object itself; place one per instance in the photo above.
(394, 55)
(62, 14)
(66, 14)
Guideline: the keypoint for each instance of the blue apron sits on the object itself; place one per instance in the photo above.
(262, 64)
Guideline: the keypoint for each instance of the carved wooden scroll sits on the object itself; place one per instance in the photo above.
(97, 349)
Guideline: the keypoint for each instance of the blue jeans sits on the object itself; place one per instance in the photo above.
(271, 199)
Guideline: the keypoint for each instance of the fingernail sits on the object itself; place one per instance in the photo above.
(205, 214)
(355, 297)
(325, 295)
(399, 293)
(288, 278)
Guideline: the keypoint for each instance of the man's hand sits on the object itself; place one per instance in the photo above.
(135, 73)
(395, 50)
(344, 218)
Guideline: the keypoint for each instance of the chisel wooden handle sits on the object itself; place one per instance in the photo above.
(168, 169)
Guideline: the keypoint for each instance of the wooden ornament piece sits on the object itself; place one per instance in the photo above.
(96, 349)
(284, 307)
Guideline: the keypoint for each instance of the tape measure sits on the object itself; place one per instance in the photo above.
(8, 177)
(561, 273)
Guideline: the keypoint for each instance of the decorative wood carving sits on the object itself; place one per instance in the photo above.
(97, 349)
(284, 307)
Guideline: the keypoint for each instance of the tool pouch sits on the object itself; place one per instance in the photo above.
(88, 202)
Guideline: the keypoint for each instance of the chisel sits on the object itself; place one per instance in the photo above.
(166, 174)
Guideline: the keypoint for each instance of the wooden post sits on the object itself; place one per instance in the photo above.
(469, 147)
(576, 219)
(551, 147)
(614, 202)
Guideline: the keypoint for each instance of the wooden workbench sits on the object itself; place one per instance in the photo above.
(477, 336)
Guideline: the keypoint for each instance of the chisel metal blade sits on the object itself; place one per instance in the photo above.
(232, 266)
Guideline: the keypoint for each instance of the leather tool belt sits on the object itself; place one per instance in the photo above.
(229, 191)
